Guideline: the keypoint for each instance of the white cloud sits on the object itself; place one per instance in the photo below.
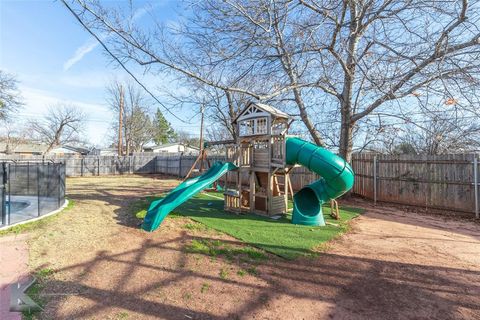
(92, 43)
(81, 52)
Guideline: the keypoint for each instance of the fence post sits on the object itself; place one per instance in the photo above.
(4, 191)
(28, 177)
(59, 182)
(180, 165)
(9, 191)
(81, 167)
(375, 180)
(98, 165)
(475, 181)
(38, 189)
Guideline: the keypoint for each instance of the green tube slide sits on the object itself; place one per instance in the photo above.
(159, 209)
(336, 179)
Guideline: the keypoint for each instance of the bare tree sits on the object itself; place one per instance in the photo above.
(356, 57)
(188, 138)
(136, 122)
(63, 124)
(221, 107)
(440, 135)
(10, 100)
(12, 135)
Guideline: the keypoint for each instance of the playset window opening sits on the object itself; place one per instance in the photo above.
(261, 144)
(279, 128)
(253, 126)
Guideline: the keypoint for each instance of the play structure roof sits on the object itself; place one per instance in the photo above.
(265, 107)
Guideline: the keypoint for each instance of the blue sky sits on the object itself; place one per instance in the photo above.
(56, 60)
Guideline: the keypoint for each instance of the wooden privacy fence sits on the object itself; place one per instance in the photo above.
(109, 165)
(176, 165)
(448, 182)
(96, 165)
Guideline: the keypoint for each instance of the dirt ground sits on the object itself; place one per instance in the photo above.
(392, 265)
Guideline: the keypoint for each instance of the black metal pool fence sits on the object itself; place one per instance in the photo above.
(29, 190)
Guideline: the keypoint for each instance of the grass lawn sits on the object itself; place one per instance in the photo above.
(279, 237)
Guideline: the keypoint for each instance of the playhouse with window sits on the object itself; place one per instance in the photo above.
(260, 184)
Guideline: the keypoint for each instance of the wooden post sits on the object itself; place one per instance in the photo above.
(269, 191)
(180, 165)
(285, 191)
(252, 192)
(375, 180)
(120, 122)
(201, 155)
(202, 110)
(475, 181)
(193, 167)
(334, 212)
(81, 166)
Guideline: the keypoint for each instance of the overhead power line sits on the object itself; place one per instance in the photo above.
(120, 63)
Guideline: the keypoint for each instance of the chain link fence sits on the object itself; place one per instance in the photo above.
(30, 189)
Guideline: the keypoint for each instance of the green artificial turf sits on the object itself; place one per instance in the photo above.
(279, 237)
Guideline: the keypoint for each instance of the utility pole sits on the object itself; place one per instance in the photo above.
(120, 122)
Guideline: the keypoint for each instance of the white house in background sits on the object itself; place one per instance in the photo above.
(104, 152)
(173, 148)
(27, 149)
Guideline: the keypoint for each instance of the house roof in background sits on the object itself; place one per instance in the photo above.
(75, 149)
(166, 145)
(23, 148)
(36, 148)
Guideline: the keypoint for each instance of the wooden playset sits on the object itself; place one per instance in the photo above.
(261, 183)
(257, 172)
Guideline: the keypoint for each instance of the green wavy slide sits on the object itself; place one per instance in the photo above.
(336, 179)
(159, 209)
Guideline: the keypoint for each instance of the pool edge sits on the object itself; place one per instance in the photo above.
(65, 204)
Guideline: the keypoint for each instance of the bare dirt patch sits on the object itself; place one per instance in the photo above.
(392, 265)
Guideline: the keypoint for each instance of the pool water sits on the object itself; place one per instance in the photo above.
(17, 205)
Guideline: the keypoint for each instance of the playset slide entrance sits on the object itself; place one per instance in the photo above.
(159, 209)
(336, 178)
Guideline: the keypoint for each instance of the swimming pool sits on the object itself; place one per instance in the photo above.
(27, 207)
(30, 190)
(17, 205)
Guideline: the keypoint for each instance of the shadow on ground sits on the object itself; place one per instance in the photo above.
(150, 275)
(351, 287)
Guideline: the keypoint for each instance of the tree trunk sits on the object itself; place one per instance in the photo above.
(231, 114)
(346, 132)
(306, 119)
(120, 122)
(127, 147)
